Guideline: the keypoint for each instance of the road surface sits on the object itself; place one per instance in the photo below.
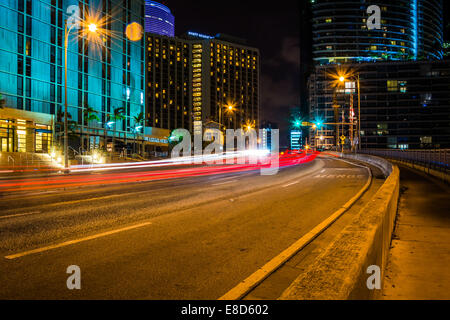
(188, 238)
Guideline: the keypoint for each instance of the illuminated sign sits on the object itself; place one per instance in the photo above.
(199, 35)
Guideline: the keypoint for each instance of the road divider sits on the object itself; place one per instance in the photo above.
(341, 272)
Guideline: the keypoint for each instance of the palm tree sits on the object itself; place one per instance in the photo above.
(138, 122)
(59, 126)
(89, 114)
(117, 116)
(2, 102)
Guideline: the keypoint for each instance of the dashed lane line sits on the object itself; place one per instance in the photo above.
(72, 242)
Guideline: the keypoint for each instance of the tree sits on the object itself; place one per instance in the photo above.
(138, 122)
(89, 114)
(59, 126)
(2, 102)
(118, 115)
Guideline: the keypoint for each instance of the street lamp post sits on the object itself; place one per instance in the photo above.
(92, 28)
(359, 112)
(358, 84)
(230, 109)
(66, 121)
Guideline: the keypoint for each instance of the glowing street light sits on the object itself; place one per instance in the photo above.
(250, 125)
(92, 28)
(355, 77)
(230, 108)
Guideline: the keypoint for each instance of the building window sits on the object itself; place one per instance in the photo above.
(392, 85)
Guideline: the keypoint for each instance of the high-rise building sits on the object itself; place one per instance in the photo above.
(266, 137)
(102, 76)
(296, 139)
(192, 79)
(159, 19)
(404, 105)
(403, 83)
(169, 98)
(409, 29)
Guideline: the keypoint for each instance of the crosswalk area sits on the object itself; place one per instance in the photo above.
(339, 176)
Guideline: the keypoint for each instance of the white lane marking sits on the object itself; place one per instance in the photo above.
(243, 288)
(20, 215)
(42, 193)
(222, 183)
(290, 184)
(72, 242)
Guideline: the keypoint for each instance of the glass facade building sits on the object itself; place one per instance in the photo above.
(404, 81)
(101, 77)
(159, 19)
(404, 105)
(410, 29)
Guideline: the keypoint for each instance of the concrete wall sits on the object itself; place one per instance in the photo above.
(340, 273)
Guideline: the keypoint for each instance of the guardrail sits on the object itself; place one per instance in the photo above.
(430, 159)
(341, 271)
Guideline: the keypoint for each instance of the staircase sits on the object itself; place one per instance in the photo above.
(21, 161)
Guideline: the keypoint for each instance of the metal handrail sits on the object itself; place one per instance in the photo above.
(13, 160)
(438, 159)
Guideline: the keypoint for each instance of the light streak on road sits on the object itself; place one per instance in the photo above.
(85, 177)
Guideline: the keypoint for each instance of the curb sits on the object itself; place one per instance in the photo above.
(246, 286)
(340, 273)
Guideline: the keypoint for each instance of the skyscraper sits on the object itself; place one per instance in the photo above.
(409, 29)
(192, 79)
(159, 19)
(404, 84)
(102, 76)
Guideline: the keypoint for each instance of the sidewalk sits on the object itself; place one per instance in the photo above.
(420, 255)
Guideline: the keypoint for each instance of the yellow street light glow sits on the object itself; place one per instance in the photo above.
(93, 27)
(341, 79)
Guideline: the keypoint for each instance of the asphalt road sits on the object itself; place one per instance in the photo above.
(189, 238)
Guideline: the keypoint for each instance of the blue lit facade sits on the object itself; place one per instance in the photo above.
(158, 19)
(103, 78)
(404, 79)
(410, 30)
(296, 140)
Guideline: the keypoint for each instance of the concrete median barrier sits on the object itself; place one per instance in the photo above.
(341, 271)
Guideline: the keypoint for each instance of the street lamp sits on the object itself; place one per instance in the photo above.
(230, 108)
(356, 78)
(93, 29)
(249, 125)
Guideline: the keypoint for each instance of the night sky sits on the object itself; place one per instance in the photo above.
(274, 30)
